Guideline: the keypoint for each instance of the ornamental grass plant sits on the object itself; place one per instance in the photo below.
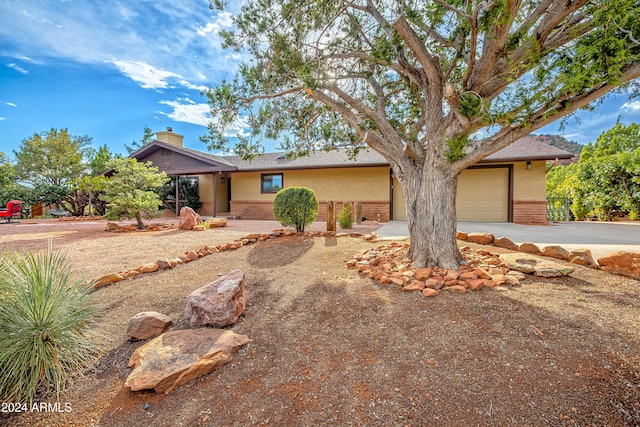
(47, 325)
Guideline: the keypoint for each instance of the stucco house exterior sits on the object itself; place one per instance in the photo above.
(508, 186)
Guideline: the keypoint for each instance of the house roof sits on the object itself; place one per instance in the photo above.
(201, 162)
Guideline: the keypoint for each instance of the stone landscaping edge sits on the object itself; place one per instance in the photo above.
(622, 263)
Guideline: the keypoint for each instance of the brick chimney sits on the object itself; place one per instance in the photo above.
(170, 137)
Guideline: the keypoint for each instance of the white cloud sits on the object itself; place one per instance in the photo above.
(176, 38)
(185, 110)
(188, 111)
(2, 118)
(10, 104)
(632, 106)
(18, 68)
(149, 76)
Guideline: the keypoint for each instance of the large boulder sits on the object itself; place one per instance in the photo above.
(188, 218)
(148, 324)
(219, 303)
(526, 263)
(177, 357)
(625, 263)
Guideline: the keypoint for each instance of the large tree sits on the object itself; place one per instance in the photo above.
(432, 85)
(54, 157)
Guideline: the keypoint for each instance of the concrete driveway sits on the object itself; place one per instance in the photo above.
(600, 237)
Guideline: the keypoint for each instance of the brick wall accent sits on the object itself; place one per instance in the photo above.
(530, 211)
(260, 209)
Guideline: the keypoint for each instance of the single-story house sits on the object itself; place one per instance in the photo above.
(509, 185)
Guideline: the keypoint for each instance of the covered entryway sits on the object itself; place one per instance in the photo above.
(483, 195)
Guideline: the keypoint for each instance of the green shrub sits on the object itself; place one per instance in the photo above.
(47, 326)
(296, 206)
(345, 219)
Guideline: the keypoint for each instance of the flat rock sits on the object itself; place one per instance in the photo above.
(218, 303)
(177, 357)
(480, 238)
(526, 263)
(217, 222)
(148, 324)
(625, 263)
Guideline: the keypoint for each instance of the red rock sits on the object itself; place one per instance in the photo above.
(148, 268)
(188, 218)
(192, 256)
(503, 242)
(469, 275)
(148, 324)
(625, 263)
(480, 238)
(423, 273)
(582, 257)
(108, 279)
(384, 280)
(512, 280)
(482, 274)
(433, 283)
(218, 303)
(450, 282)
(415, 286)
(429, 293)
(397, 281)
(352, 263)
(178, 357)
(529, 248)
(555, 252)
(217, 222)
(164, 264)
(461, 235)
(499, 279)
(475, 284)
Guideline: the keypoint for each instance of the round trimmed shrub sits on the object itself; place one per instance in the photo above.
(296, 206)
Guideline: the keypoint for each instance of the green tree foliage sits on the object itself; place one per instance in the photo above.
(133, 190)
(47, 326)
(7, 174)
(607, 178)
(433, 86)
(54, 157)
(147, 138)
(100, 160)
(296, 206)
(189, 194)
(345, 218)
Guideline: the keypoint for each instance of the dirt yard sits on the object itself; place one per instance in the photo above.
(332, 348)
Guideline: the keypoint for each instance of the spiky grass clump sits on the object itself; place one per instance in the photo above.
(47, 325)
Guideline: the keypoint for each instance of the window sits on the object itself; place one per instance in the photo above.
(271, 183)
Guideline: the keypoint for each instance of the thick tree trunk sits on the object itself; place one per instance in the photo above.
(141, 225)
(430, 200)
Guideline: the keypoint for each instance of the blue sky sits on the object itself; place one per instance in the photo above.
(107, 69)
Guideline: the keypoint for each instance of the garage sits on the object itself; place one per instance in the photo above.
(483, 195)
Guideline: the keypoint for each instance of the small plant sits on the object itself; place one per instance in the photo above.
(47, 325)
(345, 219)
(297, 206)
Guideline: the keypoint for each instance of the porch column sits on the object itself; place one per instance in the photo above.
(177, 195)
(215, 184)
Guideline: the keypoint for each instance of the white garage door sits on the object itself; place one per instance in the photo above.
(483, 195)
